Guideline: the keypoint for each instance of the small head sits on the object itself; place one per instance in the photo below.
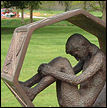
(78, 46)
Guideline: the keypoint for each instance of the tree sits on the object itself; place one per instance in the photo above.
(93, 5)
(84, 5)
(104, 11)
(99, 6)
(32, 5)
(19, 5)
(66, 4)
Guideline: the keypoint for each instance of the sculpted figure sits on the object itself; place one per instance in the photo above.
(92, 63)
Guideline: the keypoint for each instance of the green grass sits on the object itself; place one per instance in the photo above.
(45, 44)
(96, 13)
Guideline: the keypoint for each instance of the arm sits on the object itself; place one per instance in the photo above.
(94, 66)
(30, 82)
(78, 67)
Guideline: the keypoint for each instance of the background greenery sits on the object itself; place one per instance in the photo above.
(46, 43)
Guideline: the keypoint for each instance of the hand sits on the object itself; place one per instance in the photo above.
(45, 69)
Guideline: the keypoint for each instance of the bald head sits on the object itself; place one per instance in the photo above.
(77, 46)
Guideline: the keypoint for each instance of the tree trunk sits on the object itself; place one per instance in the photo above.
(22, 15)
(84, 5)
(17, 13)
(104, 12)
(31, 15)
(67, 7)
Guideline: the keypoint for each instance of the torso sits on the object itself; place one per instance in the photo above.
(97, 79)
(88, 89)
(93, 86)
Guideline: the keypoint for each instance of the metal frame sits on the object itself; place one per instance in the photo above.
(21, 38)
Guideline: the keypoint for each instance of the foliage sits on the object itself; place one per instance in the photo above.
(97, 5)
(18, 4)
(6, 4)
(33, 4)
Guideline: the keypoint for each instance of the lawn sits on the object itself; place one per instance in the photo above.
(46, 43)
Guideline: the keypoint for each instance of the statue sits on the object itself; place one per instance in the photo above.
(92, 63)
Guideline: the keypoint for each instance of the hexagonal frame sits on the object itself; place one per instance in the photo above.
(21, 38)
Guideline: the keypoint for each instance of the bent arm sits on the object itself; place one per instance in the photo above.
(77, 68)
(94, 66)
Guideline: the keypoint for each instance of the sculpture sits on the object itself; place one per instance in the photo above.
(92, 62)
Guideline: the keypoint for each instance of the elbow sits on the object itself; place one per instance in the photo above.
(77, 81)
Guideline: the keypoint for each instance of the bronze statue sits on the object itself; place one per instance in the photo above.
(92, 63)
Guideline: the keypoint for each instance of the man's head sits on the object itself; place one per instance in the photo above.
(78, 46)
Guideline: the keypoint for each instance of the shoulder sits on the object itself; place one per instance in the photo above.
(99, 57)
(98, 51)
(100, 54)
